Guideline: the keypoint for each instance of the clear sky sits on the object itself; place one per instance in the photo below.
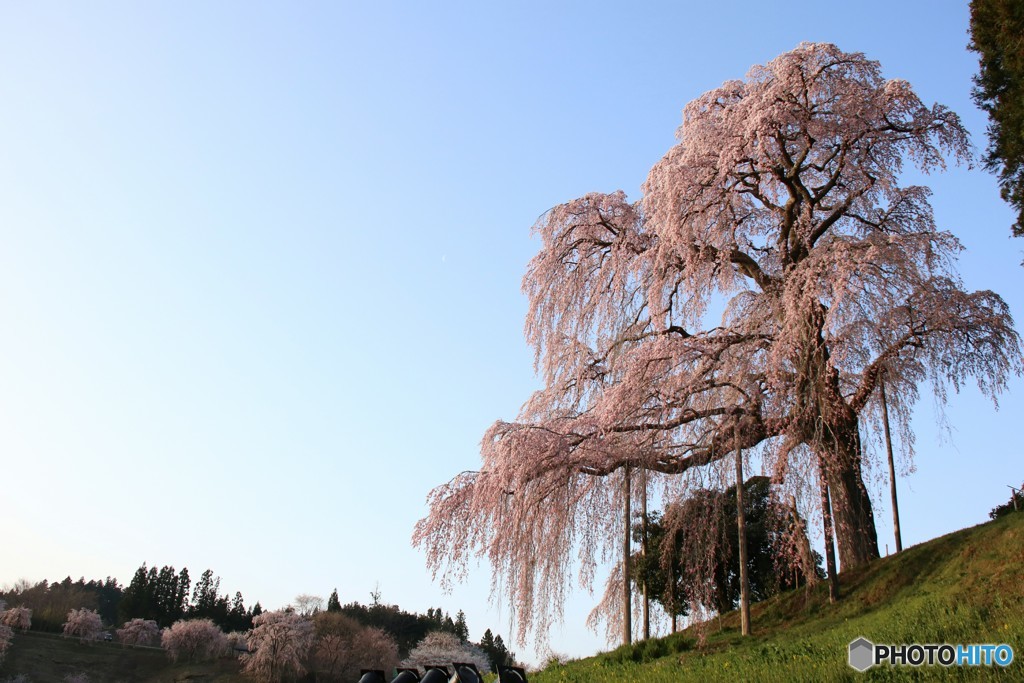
(260, 265)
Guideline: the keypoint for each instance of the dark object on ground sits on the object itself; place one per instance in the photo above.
(435, 674)
(467, 673)
(511, 674)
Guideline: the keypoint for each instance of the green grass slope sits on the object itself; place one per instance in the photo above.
(965, 587)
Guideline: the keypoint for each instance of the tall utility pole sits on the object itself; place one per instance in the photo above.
(627, 611)
(672, 582)
(741, 524)
(643, 551)
(892, 467)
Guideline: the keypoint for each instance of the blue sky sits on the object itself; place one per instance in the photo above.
(260, 265)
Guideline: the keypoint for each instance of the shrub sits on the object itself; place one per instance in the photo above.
(139, 632)
(194, 640)
(17, 617)
(441, 647)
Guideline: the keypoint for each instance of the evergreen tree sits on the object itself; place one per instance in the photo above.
(333, 604)
(495, 648)
(109, 596)
(164, 595)
(996, 30)
(134, 600)
(461, 629)
(238, 619)
(181, 594)
(502, 655)
(152, 579)
(204, 596)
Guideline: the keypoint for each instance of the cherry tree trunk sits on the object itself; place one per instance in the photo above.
(852, 516)
(803, 546)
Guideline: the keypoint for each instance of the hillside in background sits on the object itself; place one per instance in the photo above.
(48, 658)
(965, 587)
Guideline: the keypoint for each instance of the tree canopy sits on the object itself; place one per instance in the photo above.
(782, 213)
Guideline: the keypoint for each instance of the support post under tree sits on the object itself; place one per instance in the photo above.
(741, 525)
(830, 549)
(892, 468)
(627, 611)
(643, 552)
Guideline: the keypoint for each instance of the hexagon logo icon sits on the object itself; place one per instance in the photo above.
(862, 654)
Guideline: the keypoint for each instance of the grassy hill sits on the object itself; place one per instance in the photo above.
(48, 658)
(965, 587)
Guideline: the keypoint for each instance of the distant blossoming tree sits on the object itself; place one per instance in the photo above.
(783, 209)
(307, 605)
(443, 648)
(194, 640)
(343, 646)
(84, 624)
(374, 648)
(139, 632)
(279, 646)
(17, 617)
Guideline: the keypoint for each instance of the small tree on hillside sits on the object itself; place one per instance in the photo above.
(773, 552)
(374, 648)
(279, 646)
(344, 646)
(307, 605)
(17, 617)
(1013, 504)
(334, 635)
(194, 640)
(139, 632)
(84, 624)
